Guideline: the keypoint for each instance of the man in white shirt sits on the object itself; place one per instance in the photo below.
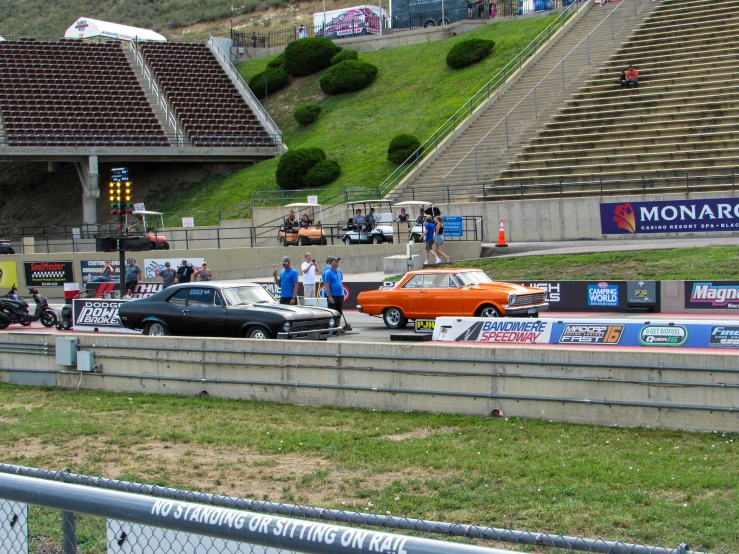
(309, 276)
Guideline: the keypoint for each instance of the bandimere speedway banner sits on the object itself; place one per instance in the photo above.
(686, 334)
(94, 314)
(671, 216)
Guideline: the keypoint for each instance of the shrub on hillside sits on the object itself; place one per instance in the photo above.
(295, 164)
(344, 55)
(309, 55)
(467, 52)
(347, 76)
(307, 113)
(323, 173)
(275, 77)
(279, 61)
(402, 147)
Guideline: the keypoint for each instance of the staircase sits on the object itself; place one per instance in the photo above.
(678, 127)
(480, 151)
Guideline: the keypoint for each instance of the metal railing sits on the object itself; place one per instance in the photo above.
(25, 484)
(482, 95)
(252, 99)
(492, 150)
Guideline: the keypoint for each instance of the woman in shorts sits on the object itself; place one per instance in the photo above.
(439, 239)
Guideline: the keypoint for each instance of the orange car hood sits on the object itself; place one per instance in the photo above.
(510, 288)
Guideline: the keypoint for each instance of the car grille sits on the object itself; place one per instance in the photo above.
(526, 299)
(309, 324)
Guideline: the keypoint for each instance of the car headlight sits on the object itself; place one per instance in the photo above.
(286, 326)
(511, 299)
(332, 323)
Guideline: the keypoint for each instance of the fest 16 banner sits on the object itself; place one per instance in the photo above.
(671, 216)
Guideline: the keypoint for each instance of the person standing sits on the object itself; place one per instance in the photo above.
(168, 275)
(429, 230)
(133, 274)
(309, 276)
(302, 32)
(439, 239)
(288, 282)
(184, 272)
(334, 284)
(203, 274)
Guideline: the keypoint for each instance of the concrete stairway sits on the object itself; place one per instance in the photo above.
(680, 122)
(501, 144)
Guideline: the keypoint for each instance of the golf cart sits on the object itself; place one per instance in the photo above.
(382, 231)
(6, 247)
(153, 228)
(302, 236)
(412, 207)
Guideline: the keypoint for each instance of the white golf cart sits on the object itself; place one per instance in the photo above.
(381, 231)
(412, 207)
(153, 228)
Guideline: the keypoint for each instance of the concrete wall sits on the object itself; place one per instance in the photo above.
(635, 388)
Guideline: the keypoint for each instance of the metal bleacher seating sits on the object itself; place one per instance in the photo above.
(208, 105)
(73, 93)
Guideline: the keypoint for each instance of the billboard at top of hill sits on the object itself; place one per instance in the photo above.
(670, 216)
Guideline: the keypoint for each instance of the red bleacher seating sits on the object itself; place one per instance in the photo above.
(73, 93)
(209, 106)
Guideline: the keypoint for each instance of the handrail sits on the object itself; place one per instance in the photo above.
(533, 90)
(476, 99)
(256, 103)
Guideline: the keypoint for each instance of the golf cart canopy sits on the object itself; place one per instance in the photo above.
(412, 203)
(145, 212)
(368, 202)
(300, 205)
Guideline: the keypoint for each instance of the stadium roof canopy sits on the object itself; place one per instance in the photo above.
(85, 27)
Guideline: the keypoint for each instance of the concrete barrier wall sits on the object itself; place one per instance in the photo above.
(692, 391)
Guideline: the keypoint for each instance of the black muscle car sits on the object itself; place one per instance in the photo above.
(224, 309)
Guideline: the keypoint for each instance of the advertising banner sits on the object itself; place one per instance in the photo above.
(453, 226)
(670, 216)
(497, 330)
(583, 296)
(712, 295)
(92, 314)
(89, 269)
(152, 267)
(8, 275)
(48, 274)
(106, 290)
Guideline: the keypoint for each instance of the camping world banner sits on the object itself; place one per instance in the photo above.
(672, 216)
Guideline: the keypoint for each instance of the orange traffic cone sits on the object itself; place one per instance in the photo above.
(501, 235)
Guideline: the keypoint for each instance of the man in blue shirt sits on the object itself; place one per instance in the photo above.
(133, 274)
(429, 230)
(334, 285)
(288, 282)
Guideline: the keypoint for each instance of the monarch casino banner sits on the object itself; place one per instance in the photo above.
(672, 216)
(48, 274)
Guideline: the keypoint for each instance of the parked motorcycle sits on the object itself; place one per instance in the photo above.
(13, 309)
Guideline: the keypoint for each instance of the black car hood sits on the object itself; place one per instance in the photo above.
(288, 311)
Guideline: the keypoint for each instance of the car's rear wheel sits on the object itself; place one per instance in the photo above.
(156, 329)
(377, 239)
(302, 241)
(394, 318)
(283, 242)
(324, 242)
(259, 333)
(488, 310)
(166, 245)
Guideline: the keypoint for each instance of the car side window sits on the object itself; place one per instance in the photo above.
(179, 298)
(440, 281)
(415, 282)
(201, 297)
(452, 282)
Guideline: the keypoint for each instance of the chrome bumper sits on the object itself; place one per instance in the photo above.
(524, 310)
(315, 334)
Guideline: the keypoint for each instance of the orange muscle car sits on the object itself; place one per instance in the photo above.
(432, 293)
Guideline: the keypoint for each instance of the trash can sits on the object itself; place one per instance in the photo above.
(71, 290)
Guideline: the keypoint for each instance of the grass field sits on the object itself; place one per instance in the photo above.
(415, 92)
(632, 484)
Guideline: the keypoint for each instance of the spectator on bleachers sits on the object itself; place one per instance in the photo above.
(630, 78)
(360, 223)
(254, 38)
(306, 221)
(290, 221)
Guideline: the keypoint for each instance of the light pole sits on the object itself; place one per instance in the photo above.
(442, 13)
(323, 31)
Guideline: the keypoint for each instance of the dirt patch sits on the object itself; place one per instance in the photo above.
(419, 434)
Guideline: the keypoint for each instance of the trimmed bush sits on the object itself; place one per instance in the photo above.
(276, 78)
(468, 52)
(295, 164)
(402, 147)
(309, 55)
(279, 61)
(323, 173)
(347, 76)
(307, 113)
(344, 55)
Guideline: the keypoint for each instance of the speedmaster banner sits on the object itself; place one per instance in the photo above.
(671, 216)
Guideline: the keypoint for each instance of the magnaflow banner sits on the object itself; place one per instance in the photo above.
(592, 333)
(671, 216)
(712, 295)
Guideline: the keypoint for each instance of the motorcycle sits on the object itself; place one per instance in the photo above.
(13, 309)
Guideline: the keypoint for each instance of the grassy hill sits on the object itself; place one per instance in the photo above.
(415, 92)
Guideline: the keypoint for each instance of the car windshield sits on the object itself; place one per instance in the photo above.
(238, 296)
(472, 278)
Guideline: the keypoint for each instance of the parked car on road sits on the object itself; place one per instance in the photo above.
(225, 309)
(6, 247)
(432, 293)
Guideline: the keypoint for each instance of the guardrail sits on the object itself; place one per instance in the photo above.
(482, 95)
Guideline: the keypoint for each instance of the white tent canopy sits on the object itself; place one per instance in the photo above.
(85, 27)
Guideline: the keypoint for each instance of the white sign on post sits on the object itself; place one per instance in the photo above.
(188, 222)
(76, 233)
(313, 200)
(139, 207)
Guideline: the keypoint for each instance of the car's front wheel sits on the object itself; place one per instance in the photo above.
(156, 329)
(301, 241)
(489, 311)
(258, 333)
(348, 241)
(394, 318)
(377, 239)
